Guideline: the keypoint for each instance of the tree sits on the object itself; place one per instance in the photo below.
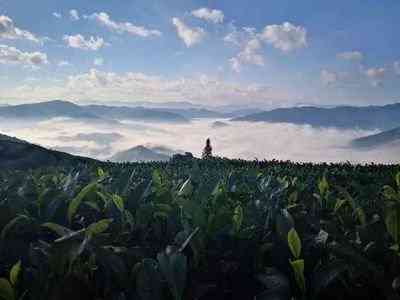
(207, 151)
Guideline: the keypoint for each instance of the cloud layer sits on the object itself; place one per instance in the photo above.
(210, 15)
(14, 56)
(190, 36)
(80, 42)
(238, 140)
(105, 20)
(9, 31)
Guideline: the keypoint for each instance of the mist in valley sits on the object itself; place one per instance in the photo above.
(245, 140)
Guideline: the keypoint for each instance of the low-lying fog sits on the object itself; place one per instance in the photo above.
(238, 140)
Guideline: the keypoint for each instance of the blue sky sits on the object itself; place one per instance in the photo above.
(270, 53)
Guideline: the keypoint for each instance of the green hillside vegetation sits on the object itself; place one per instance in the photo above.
(200, 229)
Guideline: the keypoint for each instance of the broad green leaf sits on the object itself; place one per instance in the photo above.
(75, 203)
(339, 204)
(14, 273)
(174, 268)
(398, 179)
(118, 201)
(148, 280)
(100, 173)
(298, 270)
(237, 218)
(98, 227)
(20, 219)
(360, 214)
(389, 193)
(294, 243)
(284, 222)
(6, 290)
(293, 197)
(58, 229)
(323, 186)
(392, 221)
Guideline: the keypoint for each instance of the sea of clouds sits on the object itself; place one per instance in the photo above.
(237, 140)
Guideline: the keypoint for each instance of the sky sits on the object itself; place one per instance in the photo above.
(224, 52)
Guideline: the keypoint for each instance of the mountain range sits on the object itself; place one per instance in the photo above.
(96, 112)
(59, 108)
(344, 117)
(378, 140)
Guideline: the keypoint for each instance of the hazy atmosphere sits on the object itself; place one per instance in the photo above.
(184, 65)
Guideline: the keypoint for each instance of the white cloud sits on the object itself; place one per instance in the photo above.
(103, 86)
(250, 44)
(57, 15)
(286, 37)
(190, 36)
(329, 78)
(396, 67)
(79, 41)
(248, 55)
(14, 56)
(64, 63)
(104, 19)
(9, 31)
(351, 55)
(214, 16)
(98, 61)
(376, 75)
(74, 15)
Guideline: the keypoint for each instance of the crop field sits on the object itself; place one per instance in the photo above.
(200, 229)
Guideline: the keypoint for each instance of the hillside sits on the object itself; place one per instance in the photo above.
(18, 154)
(378, 140)
(344, 117)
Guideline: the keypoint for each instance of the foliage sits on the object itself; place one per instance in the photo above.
(200, 229)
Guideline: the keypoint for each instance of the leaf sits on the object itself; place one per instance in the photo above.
(294, 243)
(392, 221)
(237, 218)
(118, 201)
(174, 268)
(74, 204)
(323, 186)
(14, 273)
(58, 229)
(276, 283)
(360, 214)
(298, 270)
(6, 290)
(323, 278)
(17, 220)
(339, 204)
(148, 280)
(284, 222)
(186, 188)
(100, 172)
(98, 227)
(292, 199)
(389, 193)
(398, 179)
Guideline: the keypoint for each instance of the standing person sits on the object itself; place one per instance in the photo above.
(207, 151)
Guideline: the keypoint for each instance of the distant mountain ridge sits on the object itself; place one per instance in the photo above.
(59, 108)
(343, 117)
(378, 140)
